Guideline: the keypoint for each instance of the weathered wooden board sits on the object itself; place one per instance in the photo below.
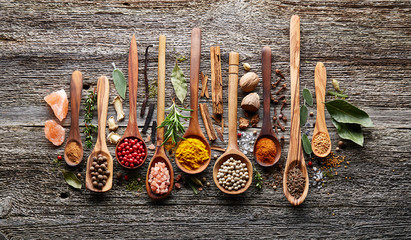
(366, 45)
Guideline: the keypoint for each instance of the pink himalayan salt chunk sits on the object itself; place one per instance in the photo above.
(59, 103)
(54, 132)
(159, 178)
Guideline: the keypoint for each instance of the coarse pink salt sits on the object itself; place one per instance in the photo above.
(159, 178)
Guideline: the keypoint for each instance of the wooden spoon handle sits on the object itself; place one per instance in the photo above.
(232, 102)
(161, 87)
(102, 107)
(194, 73)
(132, 127)
(320, 86)
(266, 68)
(76, 86)
(295, 137)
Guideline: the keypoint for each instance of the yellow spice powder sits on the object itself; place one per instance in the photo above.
(192, 153)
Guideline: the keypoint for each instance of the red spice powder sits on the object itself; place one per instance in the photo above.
(266, 151)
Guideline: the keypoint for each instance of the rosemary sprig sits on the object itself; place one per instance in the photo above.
(90, 106)
(173, 123)
(258, 179)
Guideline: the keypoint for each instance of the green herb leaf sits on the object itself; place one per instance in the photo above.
(196, 181)
(344, 112)
(303, 115)
(179, 83)
(308, 97)
(173, 123)
(71, 179)
(258, 179)
(306, 144)
(193, 188)
(119, 82)
(349, 131)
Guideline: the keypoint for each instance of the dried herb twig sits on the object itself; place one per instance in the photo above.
(147, 92)
(89, 107)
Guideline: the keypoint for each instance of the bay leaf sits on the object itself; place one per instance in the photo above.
(350, 131)
(119, 82)
(71, 179)
(179, 83)
(306, 144)
(308, 97)
(344, 112)
(303, 115)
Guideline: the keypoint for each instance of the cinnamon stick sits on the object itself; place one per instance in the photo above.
(204, 88)
(216, 81)
(205, 114)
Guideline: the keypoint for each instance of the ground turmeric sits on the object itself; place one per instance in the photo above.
(192, 153)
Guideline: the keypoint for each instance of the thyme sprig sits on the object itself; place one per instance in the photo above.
(173, 123)
(258, 179)
(90, 106)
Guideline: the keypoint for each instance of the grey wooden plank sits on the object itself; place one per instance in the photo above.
(366, 45)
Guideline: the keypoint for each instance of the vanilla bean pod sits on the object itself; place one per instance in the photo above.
(147, 92)
(154, 132)
(148, 119)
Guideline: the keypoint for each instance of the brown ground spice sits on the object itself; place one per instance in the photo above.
(73, 152)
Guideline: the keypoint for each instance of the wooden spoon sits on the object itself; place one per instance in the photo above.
(320, 125)
(160, 154)
(267, 129)
(132, 127)
(76, 86)
(232, 148)
(101, 146)
(295, 151)
(193, 130)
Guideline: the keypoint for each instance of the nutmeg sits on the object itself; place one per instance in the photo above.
(251, 102)
(249, 81)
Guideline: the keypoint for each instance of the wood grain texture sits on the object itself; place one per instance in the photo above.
(366, 45)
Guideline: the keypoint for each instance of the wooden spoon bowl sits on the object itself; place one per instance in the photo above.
(237, 155)
(131, 137)
(295, 151)
(160, 158)
(301, 165)
(205, 164)
(132, 127)
(160, 155)
(277, 147)
(101, 146)
(320, 124)
(267, 128)
(194, 130)
(76, 86)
